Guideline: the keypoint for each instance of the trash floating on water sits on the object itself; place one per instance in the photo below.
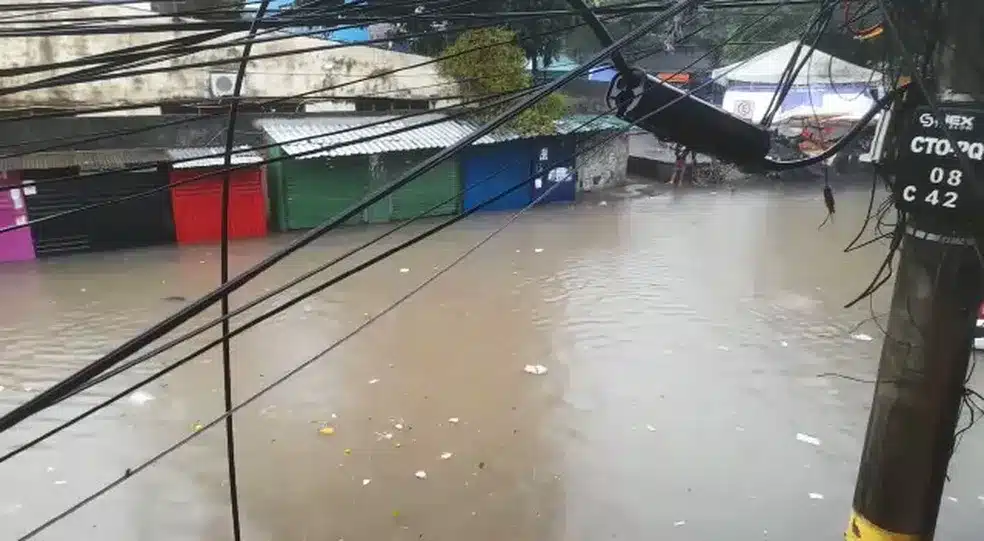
(446, 455)
(141, 397)
(421, 474)
(327, 431)
(373, 381)
(952, 499)
(805, 438)
(535, 369)
(816, 496)
(603, 204)
(197, 427)
(679, 523)
(347, 451)
(398, 426)
(651, 428)
(453, 420)
(366, 482)
(724, 348)
(538, 250)
(784, 344)
(862, 337)
(383, 436)
(404, 270)
(61, 482)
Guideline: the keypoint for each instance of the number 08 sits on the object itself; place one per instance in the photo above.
(953, 178)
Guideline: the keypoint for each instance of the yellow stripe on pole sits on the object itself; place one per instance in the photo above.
(861, 529)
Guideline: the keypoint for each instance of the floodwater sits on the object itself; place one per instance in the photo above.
(684, 336)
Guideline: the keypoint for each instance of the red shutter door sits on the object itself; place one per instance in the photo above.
(198, 205)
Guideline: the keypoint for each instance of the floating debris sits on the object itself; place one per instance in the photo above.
(806, 438)
(421, 474)
(348, 452)
(816, 496)
(651, 428)
(373, 381)
(535, 369)
(952, 499)
(724, 348)
(603, 204)
(61, 482)
(327, 431)
(383, 436)
(454, 420)
(679, 523)
(538, 250)
(197, 427)
(366, 482)
(862, 337)
(404, 270)
(398, 426)
(784, 344)
(446, 455)
(141, 397)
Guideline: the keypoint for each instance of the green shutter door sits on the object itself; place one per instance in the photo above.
(382, 210)
(275, 189)
(317, 190)
(439, 184)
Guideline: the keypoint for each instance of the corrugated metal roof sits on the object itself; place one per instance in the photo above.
(211, 157)
(590, 123)
(306, 136)
(85, 159)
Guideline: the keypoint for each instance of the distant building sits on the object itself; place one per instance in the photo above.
(278, 72)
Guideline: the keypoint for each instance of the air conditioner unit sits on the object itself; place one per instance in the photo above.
(221, 84)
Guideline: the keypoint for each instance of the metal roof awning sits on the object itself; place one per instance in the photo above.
(316, 137)
(190, 158)
(85, 159)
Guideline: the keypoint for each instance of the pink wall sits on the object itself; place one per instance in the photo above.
(15, 245)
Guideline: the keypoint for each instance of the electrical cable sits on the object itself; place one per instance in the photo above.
(53, 394)
(224, 274)
(260, 299)
(180, 443)
(290, 373)
(146, 193)
(295, 96)
(330, 46)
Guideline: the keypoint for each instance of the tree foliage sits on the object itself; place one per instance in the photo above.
(732, 34)
(494, 64)
(445, 28)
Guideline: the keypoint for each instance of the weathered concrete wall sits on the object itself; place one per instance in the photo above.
(604, 166)
(302, 70)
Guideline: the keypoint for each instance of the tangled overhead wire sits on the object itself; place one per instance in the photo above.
(123, 358)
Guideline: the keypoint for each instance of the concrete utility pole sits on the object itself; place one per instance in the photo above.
(925, 356)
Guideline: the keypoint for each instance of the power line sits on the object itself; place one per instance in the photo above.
(54, 393)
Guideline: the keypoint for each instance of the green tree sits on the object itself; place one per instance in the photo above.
(445, 28)
(497, 66)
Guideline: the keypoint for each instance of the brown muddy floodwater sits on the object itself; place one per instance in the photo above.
(683, 337)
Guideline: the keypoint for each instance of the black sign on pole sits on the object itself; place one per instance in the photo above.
(931, 184)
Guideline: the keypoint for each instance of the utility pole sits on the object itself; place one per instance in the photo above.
(925, 356)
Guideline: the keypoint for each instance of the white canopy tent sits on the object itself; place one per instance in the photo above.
(822, 68)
